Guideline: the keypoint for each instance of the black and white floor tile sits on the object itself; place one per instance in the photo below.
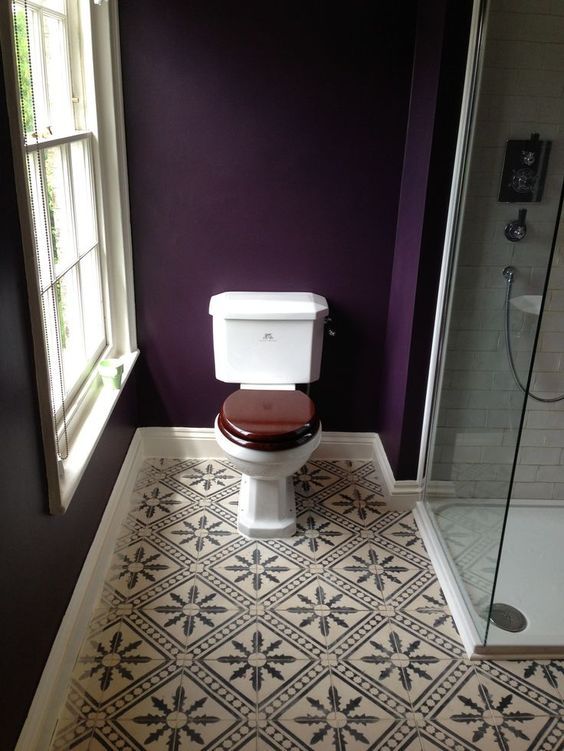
(337, 639)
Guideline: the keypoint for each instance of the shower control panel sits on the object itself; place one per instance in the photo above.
(524, 170)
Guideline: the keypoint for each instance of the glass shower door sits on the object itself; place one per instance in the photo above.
(503, 254)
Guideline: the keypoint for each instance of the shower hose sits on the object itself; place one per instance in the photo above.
(508, 272)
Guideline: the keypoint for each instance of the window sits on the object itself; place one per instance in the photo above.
(72, 180)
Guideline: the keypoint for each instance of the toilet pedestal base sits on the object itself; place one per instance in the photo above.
(267, 507)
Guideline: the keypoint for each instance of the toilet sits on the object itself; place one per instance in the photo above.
(267, 342)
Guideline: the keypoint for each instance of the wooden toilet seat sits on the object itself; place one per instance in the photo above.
(268, 420)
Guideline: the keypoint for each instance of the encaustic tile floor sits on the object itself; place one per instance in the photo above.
(337, 639)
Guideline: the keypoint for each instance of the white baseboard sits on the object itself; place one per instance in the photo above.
(196, 442)
(402, 494)
(171, 443)
(200, 442)
(444, 570)
(42, 716)
(345, 446)
(162, 442)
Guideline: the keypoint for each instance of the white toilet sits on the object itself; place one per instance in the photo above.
(268, 342)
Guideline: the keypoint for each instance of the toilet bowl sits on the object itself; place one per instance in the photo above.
(267, 435)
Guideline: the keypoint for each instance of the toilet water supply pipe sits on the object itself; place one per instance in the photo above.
(508, 274)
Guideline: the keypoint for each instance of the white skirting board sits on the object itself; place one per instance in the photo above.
(162, 442)
(443, 569)
(402, 494)
(196, 442)
(51, 690)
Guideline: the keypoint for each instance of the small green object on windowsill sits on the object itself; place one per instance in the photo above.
(111, 372)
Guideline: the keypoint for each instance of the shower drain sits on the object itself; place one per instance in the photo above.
(507, 617)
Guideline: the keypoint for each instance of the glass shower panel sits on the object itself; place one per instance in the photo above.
(494, 302)
(528, 608)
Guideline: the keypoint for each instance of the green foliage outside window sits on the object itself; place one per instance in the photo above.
(24, 71)
(29, 126)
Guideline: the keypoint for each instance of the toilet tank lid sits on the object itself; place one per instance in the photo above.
(300, 306)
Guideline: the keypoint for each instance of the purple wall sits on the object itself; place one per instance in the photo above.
(436, 91)
(265, 146)
(40, 555)
(265, 151)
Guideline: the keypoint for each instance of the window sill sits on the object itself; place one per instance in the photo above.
(86, 438)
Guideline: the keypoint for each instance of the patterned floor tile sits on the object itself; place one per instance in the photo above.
(403, 532)
(324, 612)
(424, 600)
(336, 638)
(205, 634)
(154, 503)
(297, 547)
(359, 505)
(148, 475)
(205, 479)
(258, 661)
(471, 725)
(166, 465)
(175, 614)
(82, 744)
(367, 474)
(503, 689)
(374, 682)
(316, 536)
(196, 677)
(451, 648)
(215, 575)
(303, 638)
(334, 714)
(200, 534)
(138, 567)
(249, 743)
(406, 665)
(319, 479)
(75, 724)
(180, 712)
(115, 659)
(450, 711)
(465, 710)
(539, 677)
(379, 573)
(257, 570)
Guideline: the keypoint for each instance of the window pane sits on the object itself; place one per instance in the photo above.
(92, 303)
(59, 207)
(70, 328)
(38, 100)
(40, 220)
(24, 69)
(55, 374)
(61, 118)
(85, 219)
(56, 5)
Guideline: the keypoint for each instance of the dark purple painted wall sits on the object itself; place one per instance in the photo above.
(40, 555)
(265, 145)
(436, 91)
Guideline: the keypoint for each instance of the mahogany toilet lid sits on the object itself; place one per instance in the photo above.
(268, 420)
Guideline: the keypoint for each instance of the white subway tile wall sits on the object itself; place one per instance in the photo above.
(521, 92)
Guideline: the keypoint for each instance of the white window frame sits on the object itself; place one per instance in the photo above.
(90, 410)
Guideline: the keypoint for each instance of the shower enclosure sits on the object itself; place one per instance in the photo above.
(492, 512)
